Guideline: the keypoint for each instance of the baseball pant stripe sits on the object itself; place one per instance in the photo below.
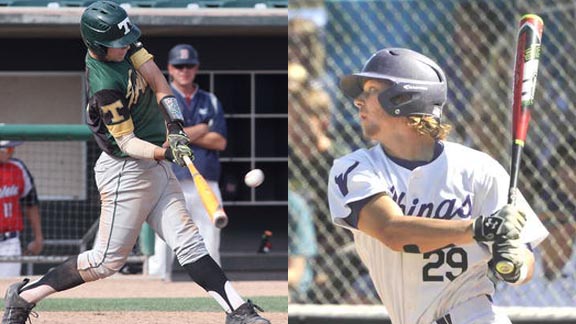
(113, 216)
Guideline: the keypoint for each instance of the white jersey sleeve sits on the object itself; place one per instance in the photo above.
(493, 195)
(352, 178)
(534, 231)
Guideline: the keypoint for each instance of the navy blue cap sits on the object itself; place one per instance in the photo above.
(183, 54)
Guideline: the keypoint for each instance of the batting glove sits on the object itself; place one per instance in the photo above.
(179, 147)
(507, 223)
(511, 251)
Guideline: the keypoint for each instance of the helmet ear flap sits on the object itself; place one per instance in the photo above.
(391, 102)
(100, 50)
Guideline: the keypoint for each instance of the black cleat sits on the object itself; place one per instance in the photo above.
(16, 309)
(245, 314)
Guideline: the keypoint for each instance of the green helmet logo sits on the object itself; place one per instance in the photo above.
(105, 24)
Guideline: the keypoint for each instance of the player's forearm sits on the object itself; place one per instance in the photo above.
(419, 235)
(33, 214)
(212, 141)
(196, 131)
(138, 148)
(160, 153)
(383, 219)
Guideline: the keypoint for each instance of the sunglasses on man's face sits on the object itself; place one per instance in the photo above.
(184, 66)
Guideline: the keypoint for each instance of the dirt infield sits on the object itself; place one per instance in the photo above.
(142, 318)
(138, 287)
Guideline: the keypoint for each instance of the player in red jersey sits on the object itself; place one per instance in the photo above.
(17, 198)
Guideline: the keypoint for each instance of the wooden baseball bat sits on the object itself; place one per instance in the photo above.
(525, 73)
(213, 207)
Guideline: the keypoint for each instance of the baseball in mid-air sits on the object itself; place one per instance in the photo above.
(254, 178)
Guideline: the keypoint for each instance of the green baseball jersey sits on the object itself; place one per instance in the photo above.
(121, 102)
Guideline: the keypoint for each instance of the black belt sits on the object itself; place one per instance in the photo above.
(8, 235)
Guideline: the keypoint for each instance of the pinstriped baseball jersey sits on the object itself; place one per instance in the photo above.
(460, 183)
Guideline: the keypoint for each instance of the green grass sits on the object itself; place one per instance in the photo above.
(199, 304)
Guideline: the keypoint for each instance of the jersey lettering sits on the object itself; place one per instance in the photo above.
(136, 86)
(17, 185)
(447, 209)
(7, 191)
(8, 210)
(112, 113)
(125, 25)
(455, 257)
(342, 179)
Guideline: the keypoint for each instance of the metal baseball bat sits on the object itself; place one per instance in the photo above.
(213, 207)
(525, 72)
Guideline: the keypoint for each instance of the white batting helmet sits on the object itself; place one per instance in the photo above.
(4, 144)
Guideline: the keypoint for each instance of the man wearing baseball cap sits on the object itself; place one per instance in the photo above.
(183, 54)
(18, 198)
(205, 125)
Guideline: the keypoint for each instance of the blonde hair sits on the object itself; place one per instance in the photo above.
(429, 125)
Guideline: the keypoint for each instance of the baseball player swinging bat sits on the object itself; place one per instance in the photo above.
(213, 207)
(525, 72)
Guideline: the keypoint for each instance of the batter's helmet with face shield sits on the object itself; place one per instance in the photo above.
(105, 24)
(418, 84)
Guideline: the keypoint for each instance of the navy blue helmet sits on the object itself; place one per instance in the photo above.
(418, 83)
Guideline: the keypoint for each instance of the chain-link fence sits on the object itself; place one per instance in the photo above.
(474, 41)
